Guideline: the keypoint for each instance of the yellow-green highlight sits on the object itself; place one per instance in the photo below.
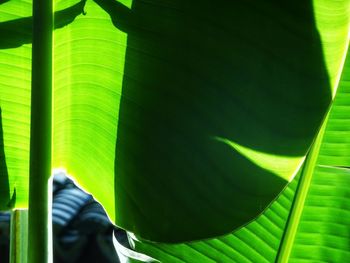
(89, 58)
(332, 37)
(15, 79)
(285, 167)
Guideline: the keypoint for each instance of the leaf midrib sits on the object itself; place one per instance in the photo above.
(293, 221)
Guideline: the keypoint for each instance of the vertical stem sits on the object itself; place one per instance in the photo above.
(292, 225)
(19, 236)
(39, 249)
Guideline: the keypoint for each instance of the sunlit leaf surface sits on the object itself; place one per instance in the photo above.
(15, 73)
(177, 115)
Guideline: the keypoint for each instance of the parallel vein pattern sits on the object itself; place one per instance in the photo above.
(335, 149)
(323, 234)
(257, 242)
(324, 230)
(88, 69)
(15, 74)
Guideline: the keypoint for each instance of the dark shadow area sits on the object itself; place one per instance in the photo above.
(82, 231)
(15, 33)
(252, 72)
(207, 67)
(5, 237)
(5, 195)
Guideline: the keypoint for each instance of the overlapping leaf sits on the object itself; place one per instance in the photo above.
(121, 60)
(325, 219)
(206, 110)
(322, 233)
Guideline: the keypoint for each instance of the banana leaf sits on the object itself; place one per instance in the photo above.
(321, 232)
(184, 119)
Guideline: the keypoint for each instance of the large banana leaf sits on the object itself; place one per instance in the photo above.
(216, 105)
(320, 234)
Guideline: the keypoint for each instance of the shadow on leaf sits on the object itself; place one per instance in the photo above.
(15, 33)
(6, 201)
(251, 72)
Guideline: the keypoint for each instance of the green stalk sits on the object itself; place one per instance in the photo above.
(19, 236)
(300, 197)
(39, 225)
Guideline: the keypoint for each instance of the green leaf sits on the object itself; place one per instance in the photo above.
(15, 77)
(15, 74)
(218, 110)
(89, 64)
(4, 179)
(259, 241)
(215, 106)
(325, 219)
(321, 234)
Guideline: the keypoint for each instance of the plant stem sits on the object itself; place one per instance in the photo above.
(299, 199)
(39, 243)
(19, 236)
